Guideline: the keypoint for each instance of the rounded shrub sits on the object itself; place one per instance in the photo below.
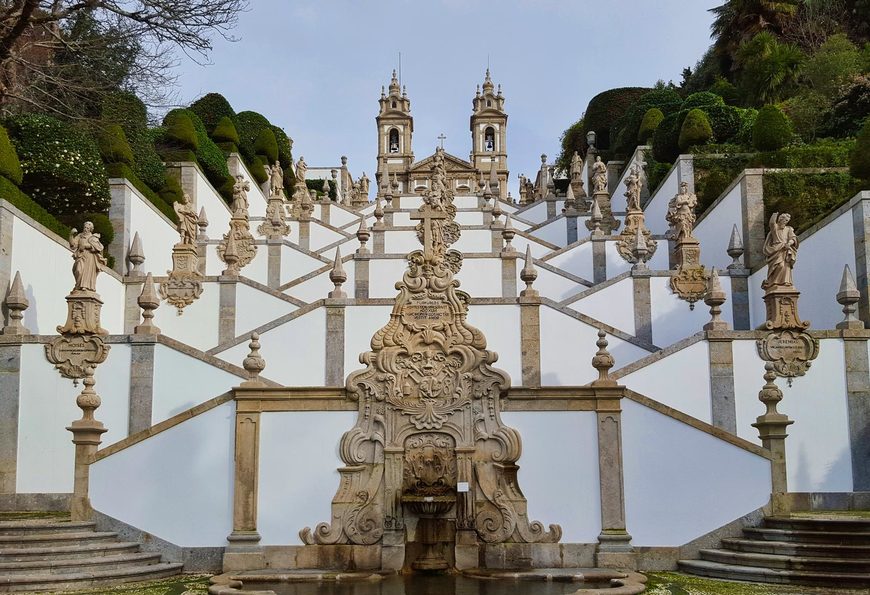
(266, 145)
(702, 99)
(211, 158)
(255, 166)
(859, 163)
(605, 108)
(727, 91)
(62, 168)
(725, 121)
(772, 129)
(651, 120)
(10, 166)
(179, 136)
(249, 124)
(211, 109)
(113, 145)
(696, 130)
(226, 136)
(171, 191)
(666, 139)
(624, 132)
(128, 111)
(285, 147)
(747, 123)
(101, 222)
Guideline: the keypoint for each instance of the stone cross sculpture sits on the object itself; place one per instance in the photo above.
(429, 421)
(184, 285)
(689, 281)
(788, 346)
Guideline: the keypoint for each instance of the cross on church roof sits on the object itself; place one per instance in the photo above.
(441, 137)
(427, 215)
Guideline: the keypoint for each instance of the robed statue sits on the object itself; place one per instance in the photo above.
(187, 220)
(681, 213)
(780, 251)
(87, 253)
(599, 176)
(276, 179)
(240, 197)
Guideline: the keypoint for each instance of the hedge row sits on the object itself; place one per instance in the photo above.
(808, 198)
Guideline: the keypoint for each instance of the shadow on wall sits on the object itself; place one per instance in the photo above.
(32, 312)
(836, 470)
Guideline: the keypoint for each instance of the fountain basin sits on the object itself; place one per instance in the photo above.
(429, 505)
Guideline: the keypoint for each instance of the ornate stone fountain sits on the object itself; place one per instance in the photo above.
(429, 459)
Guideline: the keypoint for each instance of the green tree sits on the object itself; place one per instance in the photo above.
(772, 129)
(859, 165)
(768, 69)
(738, 21)
(571, 140)
(832, 66)
(696, 130)
(651, 120)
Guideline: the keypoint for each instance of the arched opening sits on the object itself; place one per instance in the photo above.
(488, 103)
(489, 139)
(394, 140)
(394, 105)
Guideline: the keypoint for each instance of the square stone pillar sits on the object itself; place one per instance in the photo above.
(227, 308)
(132, 312)
(642, 305)
(335, 314)
(325, 208)
(614, 170)
(497, 239)
(201, 255)
(378, 238)
(6, 272)
(244, 540)
(752, 198)
(858, 394)
(141, 381)
(599, 258)
(861, 231)
(304, 239)
(724, 411)
(550, 199)
(571, 226)
(740, 298)
(361, 275)
(509, 274)
(530, 340)
(273, 274)
(10, 383)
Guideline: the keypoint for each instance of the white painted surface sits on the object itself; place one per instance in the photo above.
(470, 218)
(399, 241)
(48, 405)
(538, 250)
(473, 240)
(559, 470)
(112, 293)
(157, 236)
(339, 217)
(295, 351)
(657, 206)
(177, 485)
(383, 275)
(320, 236)
(672, 320)
(680, 482)
(402, 218)
(360, 324)
(567, 347)
(182, 382)
(714, 231)
(255, 308)
(555, 232)
(817, 448)
(480, 277)
(577, 261)
(757, 310)
(819, 269)
(297, 482)
(258, 269)
(549, 284)
(501, 327)
(616, 264)
(613, 305)
(536, 213)
(295, 264)
(198, 324)
(317, 288)
(680, 380)
(216, 210)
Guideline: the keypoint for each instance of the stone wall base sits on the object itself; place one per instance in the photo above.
(35, 502)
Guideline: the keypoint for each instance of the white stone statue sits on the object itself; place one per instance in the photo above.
(187, 220)
(681, 213)
(276, 179)
(87, 253)
(632, 190)
(301, 169)
(780, 251)
(240, 197)
(576, 166)
(599, 176)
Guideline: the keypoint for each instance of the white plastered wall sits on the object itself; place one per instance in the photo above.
(383, 275)
(400, 241)
(216, 210)
(672, 320)
(681, 482)
(472, 240)
(480, 277)
(297, 482)
(157, 236)
(338, 217)
(255, 308)
(680, 380)
(198, 324)
(501, 327)
(295, 264)
(549, 284)
(320, 236)
(657, 206)
(360, 324)
(536, 213)
(577, 261)
(616, 264)
(295, 352)
(319, 286)
(567, 347)
(613, 305)
(520, 243)
(48, 405)
(818, 455)
(176, 485)
(714, 231)
(559, 470)
(555, 232)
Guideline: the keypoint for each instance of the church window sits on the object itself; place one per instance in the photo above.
(489, 139)
(488, 103)
(394, 140)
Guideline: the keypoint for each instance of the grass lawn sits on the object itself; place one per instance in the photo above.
(672, 583)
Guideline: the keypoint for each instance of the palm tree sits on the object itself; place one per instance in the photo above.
(767, 69)
(738, 21)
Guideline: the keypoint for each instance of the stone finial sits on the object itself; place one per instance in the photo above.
(254, 363)
(325, 190)
(551, 180)
(735, 249)
(149, 302)
(496, 211)
(714, 298)
(603, 361)
(543, 159)
(394, 185)
(510, 198)
(202, 224)
(493, 177)
(770, 394)
(487, 192)
(379, 213)
(88, 400)
(135, 257)
(639, 250)
(596, 218)
(529, 274)
(570, 200)
(337, 276)
(363, 235)
(508, 233)
(847, 297)
(16, 304)
(231, 256)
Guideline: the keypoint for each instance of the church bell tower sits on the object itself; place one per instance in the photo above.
(395, 127)
(489, 133)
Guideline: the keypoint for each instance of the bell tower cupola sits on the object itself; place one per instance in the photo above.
(395, 128)
(489, 132)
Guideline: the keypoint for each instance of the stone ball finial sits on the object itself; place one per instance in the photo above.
(714, 298)
(603, 361)
(508, 233)
(254, 363)
(88, 400)
(544, 158)
(344, 160)
(363, 235)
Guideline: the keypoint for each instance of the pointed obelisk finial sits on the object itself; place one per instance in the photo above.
(135, 257)
(202, 224)
(848, 297)
(496, 211)
(603, 361)
(337, 276)
(149, 302)
(596, 218)
(16, 304)
(254, 363)
(363, 235)
(508, 233)
(714, 298)
(379, 213)
(231, 255)
(493, 178)
(529, 274)
(735, 248)
(639, 250)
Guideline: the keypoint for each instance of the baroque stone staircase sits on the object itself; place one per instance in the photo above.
(829, 550)
(54, 553)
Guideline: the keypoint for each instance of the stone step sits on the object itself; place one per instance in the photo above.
(51, 539)
(787, 548)
(832, 523)
(774, 575)
(31, 527)
(66, 552)
(848, 565)
(11, 583)
(841, 537)
(66, 566)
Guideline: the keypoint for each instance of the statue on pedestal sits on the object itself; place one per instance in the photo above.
(188, 221)
(276, 180)
(87, 257)
(599, 176)
(780, 252)
(240, 197)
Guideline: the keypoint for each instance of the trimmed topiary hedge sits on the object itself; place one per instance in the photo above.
(727, 91)
(211, 109)
(651, 120)
(266, 145)
(122, 170)
(772, 129)
(713, 175)
(285, 157)
(179, 140)
(62, 168)
(624, 132)
(10, 166)
(101, 222)
(113, 145)
(212, 160)
(605, 108)
(702, 99)
(666, 139)
(724, 120)
(806, 197)
(171, 193)
(128, 111)
(696, 130)
(823, 153)
(249, 126)
(226, 136)
(28, 206)
(859, 163)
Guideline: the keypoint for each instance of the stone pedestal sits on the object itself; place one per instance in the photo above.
(772, 431)
(781, 304)
(83, 314)
(86, 436)
(609, 223)
(184, 285)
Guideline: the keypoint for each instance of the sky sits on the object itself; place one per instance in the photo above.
(315, 67)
